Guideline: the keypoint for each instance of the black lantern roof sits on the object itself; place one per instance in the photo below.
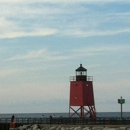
(81, 68)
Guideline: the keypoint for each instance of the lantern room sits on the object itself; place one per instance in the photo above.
(81, 73)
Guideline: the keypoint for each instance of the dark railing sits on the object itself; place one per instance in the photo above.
(73, 121)
(88, 78)
(87, 121)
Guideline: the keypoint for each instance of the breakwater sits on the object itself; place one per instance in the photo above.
(69, 127)
(5, 122)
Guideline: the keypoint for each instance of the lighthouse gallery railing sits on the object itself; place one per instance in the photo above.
(88, 78)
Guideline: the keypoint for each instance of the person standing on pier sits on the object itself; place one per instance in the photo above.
(12, 118)
(12, 124)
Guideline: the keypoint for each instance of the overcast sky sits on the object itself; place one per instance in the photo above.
(42, 42)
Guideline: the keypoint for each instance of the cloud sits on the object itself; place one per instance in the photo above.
(48, 55)
(90, 33)
(12, 30)
(34, 18)
(63, 1)
(43, 55)
(96, 50)
(37, 32)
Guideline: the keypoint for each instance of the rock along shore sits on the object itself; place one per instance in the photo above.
(71, 127)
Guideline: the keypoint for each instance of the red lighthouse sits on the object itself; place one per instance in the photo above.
(81, 94)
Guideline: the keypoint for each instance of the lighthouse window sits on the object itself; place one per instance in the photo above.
(76, 84)
(86, 84)
(75, 97)
(80, 73)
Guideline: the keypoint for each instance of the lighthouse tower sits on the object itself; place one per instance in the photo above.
(81, 94)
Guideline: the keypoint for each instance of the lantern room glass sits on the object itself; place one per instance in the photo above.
(81, 73)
